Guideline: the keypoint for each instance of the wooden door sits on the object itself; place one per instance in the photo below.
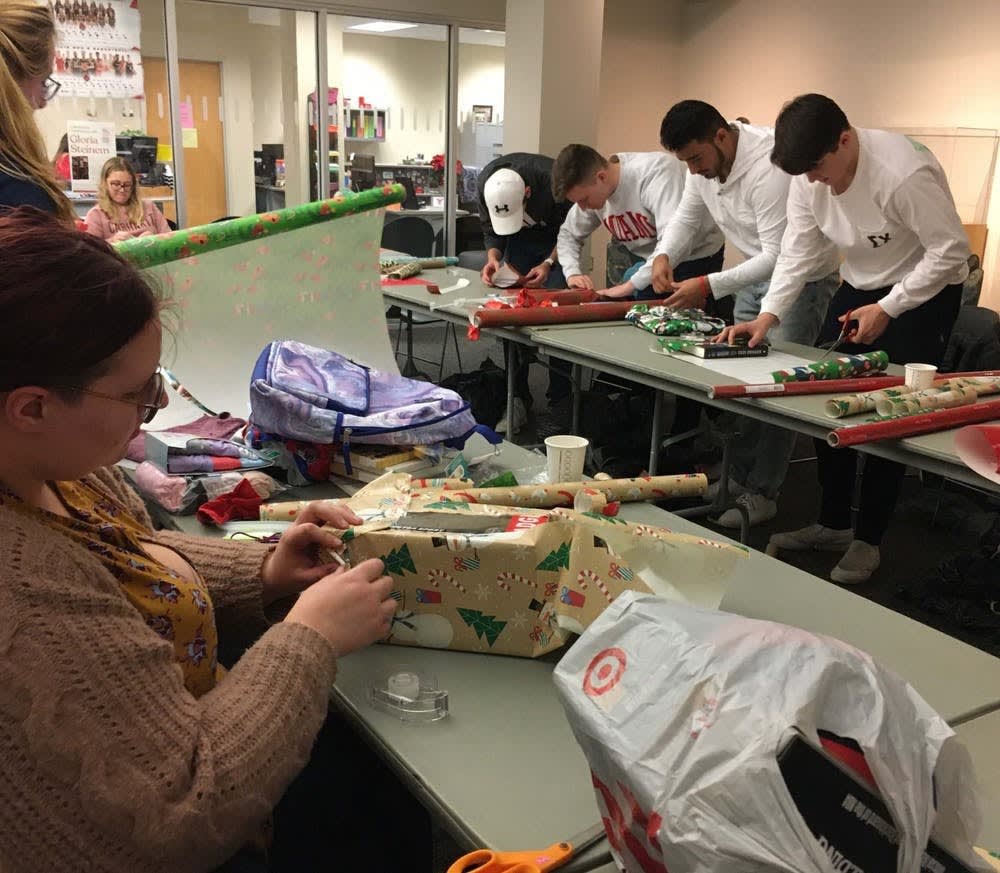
(204, 160)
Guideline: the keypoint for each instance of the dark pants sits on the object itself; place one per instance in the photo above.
(919, 335)
(523, 255)
(345, 811)
(688, 412)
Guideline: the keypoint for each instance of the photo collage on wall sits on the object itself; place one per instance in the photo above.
(97, 48)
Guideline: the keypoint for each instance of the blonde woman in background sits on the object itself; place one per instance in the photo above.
(27, 53)
(119, 213)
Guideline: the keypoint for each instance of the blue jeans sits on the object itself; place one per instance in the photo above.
(760, 458)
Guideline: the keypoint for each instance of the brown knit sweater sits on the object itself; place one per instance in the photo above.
(107, 763)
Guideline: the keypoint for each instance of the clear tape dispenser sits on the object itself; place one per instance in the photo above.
(409, 695)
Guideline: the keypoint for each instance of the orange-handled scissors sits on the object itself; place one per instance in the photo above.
(846, 333)
(538, 861)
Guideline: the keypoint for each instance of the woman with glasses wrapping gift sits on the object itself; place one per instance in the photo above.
(125, 745)
(119, 213)
(27, 53)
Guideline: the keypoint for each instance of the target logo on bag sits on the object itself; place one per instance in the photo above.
(604, 672)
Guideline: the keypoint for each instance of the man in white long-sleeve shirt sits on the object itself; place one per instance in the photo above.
(733, 181)
(884, 201)
(634, 195)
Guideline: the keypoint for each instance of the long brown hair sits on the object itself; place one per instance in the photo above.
(93, 300)
(27, 38)
(133, 209)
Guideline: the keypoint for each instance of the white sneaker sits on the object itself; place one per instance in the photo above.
(759, 509)
(520, 418)
(862, 559)
(816, 537)
(712, 492)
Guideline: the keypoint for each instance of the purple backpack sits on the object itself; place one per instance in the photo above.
(316, 395)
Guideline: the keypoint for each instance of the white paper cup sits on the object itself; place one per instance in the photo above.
(565, 456)
(920, 376)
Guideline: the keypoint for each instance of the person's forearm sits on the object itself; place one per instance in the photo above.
(494, 255)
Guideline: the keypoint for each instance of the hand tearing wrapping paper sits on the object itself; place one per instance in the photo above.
(843, 367)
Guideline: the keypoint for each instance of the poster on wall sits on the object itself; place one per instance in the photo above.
(97, 48)
(91, 143)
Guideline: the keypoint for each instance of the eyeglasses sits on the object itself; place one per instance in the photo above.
(50, 87)
(124, 186)
(152, 398)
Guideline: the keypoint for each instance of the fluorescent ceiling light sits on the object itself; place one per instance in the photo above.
(381, 26)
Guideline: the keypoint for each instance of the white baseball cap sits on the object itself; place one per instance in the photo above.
(504, 195)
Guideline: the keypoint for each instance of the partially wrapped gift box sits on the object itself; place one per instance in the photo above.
(517, 581)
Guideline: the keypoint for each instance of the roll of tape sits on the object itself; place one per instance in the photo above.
(406, 685)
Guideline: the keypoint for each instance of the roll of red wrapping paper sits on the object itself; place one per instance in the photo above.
(913, 425)
(827, 386)
(567, 297)
(613, 310)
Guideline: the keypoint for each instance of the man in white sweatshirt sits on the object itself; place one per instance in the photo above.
(884, 201)
(733, 181)
(634, 195)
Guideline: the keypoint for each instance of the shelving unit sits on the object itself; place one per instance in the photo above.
(365, 125)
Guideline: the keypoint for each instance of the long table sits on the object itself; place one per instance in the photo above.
(623, 350)
(982, 738)
(503, 770)
(620, 349)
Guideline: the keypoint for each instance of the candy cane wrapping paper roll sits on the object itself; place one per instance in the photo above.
(549, 495)
(920, 401)
(589, 500)
(843, 367)
(852, 404)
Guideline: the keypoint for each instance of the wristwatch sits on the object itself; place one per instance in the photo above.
(550, 261)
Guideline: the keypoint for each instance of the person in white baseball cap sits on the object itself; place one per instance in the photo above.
(505, 196)
(521, 219)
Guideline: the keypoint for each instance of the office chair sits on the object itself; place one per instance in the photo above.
(414, 236)
(409, 234)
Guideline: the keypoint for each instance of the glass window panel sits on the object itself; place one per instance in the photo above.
(392, 81)
(105, 93)
(245, 76)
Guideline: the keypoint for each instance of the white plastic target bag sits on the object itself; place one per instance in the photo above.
(682, 713)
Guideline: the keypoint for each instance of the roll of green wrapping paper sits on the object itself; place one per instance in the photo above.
(844, 367)
(151, 251)
(852, 404)
(925, 401)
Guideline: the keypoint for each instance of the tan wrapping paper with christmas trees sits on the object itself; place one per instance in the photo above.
(517, 581)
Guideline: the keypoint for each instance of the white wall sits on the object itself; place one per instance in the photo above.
(409, 78)
(899, 63)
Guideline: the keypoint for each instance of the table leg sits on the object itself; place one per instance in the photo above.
(654, 440)
(510, 349)
(576, 377)
(409, 368)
